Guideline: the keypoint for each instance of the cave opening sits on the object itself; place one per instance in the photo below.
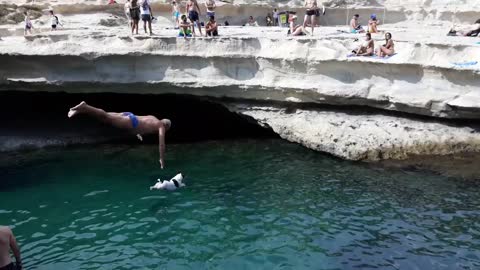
(43, 115)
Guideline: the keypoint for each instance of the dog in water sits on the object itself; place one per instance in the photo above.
(171, 185)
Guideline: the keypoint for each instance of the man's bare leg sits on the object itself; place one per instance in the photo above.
(313, 22)
(114, 119)
(84, 108)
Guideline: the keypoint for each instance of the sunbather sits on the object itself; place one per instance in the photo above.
(367, 47)
(466, 31)
(387, 49)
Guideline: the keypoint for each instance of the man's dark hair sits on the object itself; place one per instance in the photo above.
(369, 35)
(356, 15)
(212, 18)
(477, 21)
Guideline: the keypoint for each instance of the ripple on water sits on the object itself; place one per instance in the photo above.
(255, 205)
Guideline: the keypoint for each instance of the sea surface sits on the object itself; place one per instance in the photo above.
(248, 204)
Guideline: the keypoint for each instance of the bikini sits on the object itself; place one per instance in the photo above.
(133, 118)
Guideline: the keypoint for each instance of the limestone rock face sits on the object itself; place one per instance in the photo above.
(368, 137)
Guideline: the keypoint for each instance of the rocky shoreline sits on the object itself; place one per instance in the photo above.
(270, 78)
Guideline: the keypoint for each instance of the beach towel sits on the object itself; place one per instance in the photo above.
(373, 56)
(465, 64)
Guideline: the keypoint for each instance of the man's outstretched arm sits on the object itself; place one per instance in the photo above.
(161, 146)
(15, 249)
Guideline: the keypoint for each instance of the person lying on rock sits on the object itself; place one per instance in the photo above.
(466, 31)
(387, 49)
(367, 47)
(138, 125)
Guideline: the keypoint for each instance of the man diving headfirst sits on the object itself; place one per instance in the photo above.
(138, 125)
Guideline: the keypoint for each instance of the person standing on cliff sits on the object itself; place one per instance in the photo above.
(138, 125)
(211, 6)
(310, 14)
(275, 17)
(126, 9)
(146, 14)
(54, 20)
(135, 15)
(7, 243)
(193, 10)
(28, 24)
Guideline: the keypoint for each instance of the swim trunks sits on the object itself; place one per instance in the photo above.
(133, 118)
(135, 13)
(10, 266)
(210, 14)
(146, 17)
(212, 33)
(310, 12)
(54, 26)
(176, 14)
(193, 15)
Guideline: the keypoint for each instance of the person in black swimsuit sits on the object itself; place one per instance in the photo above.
(312, 7)
(135, 15)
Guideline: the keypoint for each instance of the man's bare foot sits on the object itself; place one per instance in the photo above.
(74, 110)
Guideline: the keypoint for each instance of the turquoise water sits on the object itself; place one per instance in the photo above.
(258, 204)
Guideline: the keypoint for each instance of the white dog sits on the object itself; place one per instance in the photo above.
(171, 185)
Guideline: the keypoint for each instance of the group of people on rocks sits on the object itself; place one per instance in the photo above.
(28, 27)
(137, 10)
(367, 48)
(190, 19)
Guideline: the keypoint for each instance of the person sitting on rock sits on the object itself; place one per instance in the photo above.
(466, 31)
(296, 29)
(387, 49)
(355, 27)
(186, 27)
(367, 48)
(211, 27)
(269, 20)
(251, 22)
(373, 24)
(138, 125)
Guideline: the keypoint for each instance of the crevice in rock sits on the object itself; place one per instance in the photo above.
(32, 119)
